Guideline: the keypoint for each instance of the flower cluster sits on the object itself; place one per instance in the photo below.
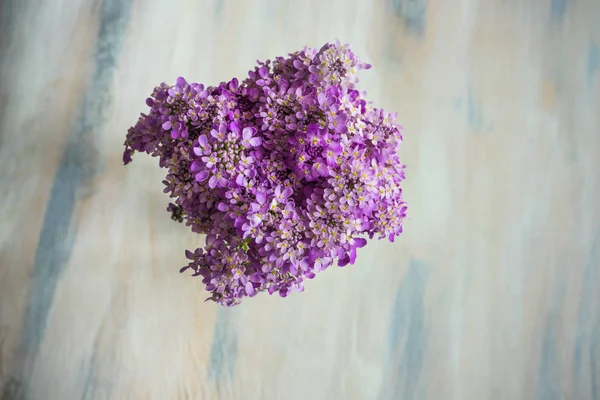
(285, 172)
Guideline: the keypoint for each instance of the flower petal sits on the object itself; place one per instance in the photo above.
(202, 175)
(255, 141)
(261, 197)
(263, 72)
(250, 289)
(196, 166)
(360, 242)
(287, 192)
(254, 220)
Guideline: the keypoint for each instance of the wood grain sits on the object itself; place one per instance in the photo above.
(493, 292)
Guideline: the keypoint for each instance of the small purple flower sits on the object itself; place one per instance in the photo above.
(314, 137)
(256, 218)
(220, 134)
(302, 158)
(217, 179)
(202, 145)
(127, 156)
(321, 263)
(211, 160)
(282, 195)
(248, 138)
(338, 123)
(319, 169)
(332, 153)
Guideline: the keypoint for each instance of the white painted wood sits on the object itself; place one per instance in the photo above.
(493, 292)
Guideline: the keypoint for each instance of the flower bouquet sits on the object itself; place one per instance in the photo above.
(286, 172)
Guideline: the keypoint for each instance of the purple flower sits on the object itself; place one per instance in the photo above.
(258, 214)
(321, 263)
(332, 153)
(282, 195)
(217, 180)
(248, 138)
(314, 137)
(319, 169)
(285, 172)
(338, 123)
(220, 134)
(211, 160)
(302, 158)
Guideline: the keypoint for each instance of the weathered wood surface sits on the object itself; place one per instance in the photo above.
(493, 292)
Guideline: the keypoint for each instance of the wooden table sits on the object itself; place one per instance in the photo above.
(493, 291)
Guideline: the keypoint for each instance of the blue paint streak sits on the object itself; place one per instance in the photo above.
(219, 8)
(13, 389)
(473, 111)
(76, 168)
(548, 387)
(223, 353)
(594, 372)
(593, 60)
(558, 9)
(407, 334)
(587, 333)
(457, 103)
(10, 16)
(549, 383)
(413, 13)
(90, 378)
